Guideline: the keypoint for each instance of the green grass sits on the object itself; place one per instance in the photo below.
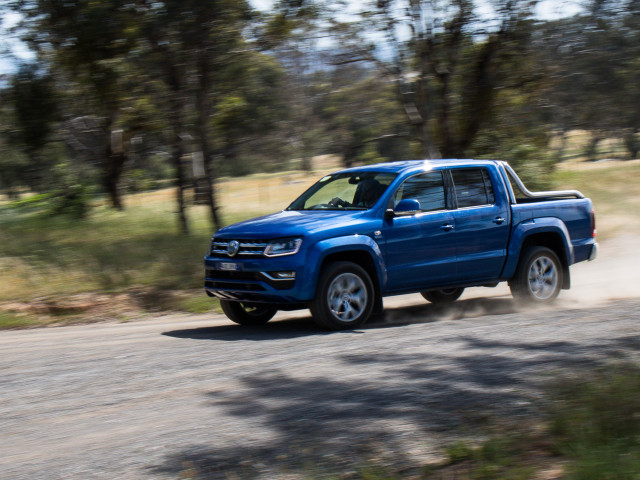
(596, 424)
(591, 427)
(500, 457)
(9, 320)
(198, 303)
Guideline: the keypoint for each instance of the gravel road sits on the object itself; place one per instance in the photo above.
(166, 397)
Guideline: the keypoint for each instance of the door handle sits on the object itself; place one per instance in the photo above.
(447, 227)
(498, 220)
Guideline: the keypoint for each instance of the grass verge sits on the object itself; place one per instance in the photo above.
(595, 423)
(10, 320)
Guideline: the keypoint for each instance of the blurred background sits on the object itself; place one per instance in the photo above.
(131, 130)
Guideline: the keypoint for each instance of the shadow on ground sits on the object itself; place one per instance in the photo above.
(302, 325)
(396, 408)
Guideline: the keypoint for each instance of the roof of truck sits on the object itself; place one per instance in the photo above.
(403, 165)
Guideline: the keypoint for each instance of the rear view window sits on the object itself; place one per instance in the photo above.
(473, 187)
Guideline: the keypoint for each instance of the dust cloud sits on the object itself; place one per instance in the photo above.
(614, 275)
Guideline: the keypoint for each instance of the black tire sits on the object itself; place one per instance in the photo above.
(248, 314)
(344, 297)
(538, 278)
(442, 295)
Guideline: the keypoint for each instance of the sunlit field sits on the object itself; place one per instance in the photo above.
(139, 251)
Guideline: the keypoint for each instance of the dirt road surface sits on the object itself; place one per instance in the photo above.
(170, 397)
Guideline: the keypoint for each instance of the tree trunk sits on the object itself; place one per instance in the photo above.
(115, 159)
(115, 165)
(180, 185)
(418, 113)
(560, 150)
(307, 154)
(203, 106)
(481, 95)
(591, 152)
(632, 143)
(177, 150)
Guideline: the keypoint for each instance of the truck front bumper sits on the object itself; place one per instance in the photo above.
(275, 280)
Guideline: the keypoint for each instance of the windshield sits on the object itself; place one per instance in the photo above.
(344, 191)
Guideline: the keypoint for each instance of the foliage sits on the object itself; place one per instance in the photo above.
(363, 117)
(32, 95)
(249, 105)
(453, 64)
(26, 124)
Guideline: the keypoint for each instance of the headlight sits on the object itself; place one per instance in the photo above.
(286, 246)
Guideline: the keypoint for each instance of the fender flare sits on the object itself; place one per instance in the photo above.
(525, 230)
(319, 252)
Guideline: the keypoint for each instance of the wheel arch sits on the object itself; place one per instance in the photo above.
(551, 234)
(360, 257)
(359, 249)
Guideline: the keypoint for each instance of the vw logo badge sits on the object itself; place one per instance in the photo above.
(233, 248)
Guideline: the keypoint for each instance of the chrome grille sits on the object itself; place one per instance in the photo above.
(247, 248)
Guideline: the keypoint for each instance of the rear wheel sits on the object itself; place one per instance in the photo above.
(442, 295)
(248, 314)
(345, 297)
(539, 276)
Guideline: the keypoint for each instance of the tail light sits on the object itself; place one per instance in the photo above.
(594, 231)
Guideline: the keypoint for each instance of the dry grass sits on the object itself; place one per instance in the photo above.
(614, 188)
(137, 256)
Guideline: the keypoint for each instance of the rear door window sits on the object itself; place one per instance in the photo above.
(473, 187)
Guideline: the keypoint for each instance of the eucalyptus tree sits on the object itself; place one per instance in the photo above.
(88, 40)
(250, 115)
(595, 57)
(450, 59)
(292, 33)
(192, 43)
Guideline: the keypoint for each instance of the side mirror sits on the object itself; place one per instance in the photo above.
(407, 207)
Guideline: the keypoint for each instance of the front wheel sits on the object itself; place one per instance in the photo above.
(345, 297)
(539, 276)
(248, 314)
(442, 295)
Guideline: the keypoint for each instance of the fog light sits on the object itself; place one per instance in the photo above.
(285, 275)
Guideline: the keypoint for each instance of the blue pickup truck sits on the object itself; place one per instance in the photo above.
(434, 227)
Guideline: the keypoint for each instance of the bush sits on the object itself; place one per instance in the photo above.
(73, 201)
